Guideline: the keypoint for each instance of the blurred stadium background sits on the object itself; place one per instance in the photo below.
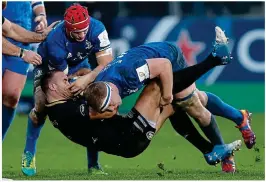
(191, 26)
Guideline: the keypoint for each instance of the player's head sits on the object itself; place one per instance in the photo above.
(4, 4)
(55, 83)
(102, 96)
(77, 21)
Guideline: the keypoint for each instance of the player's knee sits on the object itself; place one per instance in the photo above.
(11, 99)
(39, 101)
(37, 118)
(203, 97)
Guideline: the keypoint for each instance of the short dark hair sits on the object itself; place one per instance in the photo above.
(95, 94)
(46, 79)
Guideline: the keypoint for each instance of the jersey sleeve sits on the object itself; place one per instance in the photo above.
(100, 37)
(3, 20)
(141, 70)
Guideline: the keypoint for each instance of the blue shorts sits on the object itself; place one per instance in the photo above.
(15, 64)
(177, 59)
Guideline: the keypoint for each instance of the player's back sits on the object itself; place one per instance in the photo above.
(19, 12)
(155, 50)
(71, 118)
(129, 71)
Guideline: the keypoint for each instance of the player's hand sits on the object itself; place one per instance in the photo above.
(80, 84)
(42, 23)
(47, 30)
(32, 57)
(165, 100)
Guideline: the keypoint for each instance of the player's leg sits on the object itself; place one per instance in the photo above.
(189, 101)
(183, 125)
(36, 120)
(92, 156)
(241, 118)
(148, 102)
(220, 55)
(13, 80)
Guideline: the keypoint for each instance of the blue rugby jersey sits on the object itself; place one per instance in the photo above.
(59, 52)
(130, 71)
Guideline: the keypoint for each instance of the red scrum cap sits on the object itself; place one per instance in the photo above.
(76, 18)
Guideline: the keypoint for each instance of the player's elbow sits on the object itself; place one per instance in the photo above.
(167, 66)
(158, 66)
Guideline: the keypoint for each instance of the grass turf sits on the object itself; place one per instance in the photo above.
(168, 157)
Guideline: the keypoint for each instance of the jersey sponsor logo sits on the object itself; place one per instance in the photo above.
(149, 135)
(88, 44)
(143, 72)
(82, 109)
(103, 38)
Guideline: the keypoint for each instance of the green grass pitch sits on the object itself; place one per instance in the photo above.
(168, 157)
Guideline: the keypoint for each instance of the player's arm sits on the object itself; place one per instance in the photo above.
(40, 15)
(80, 72)
(162, 68)
(27, 55)
(20, 34)
(103, 53)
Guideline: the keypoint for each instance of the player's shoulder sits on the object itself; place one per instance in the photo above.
(96, 23)
(96, 27)
(57, 34)
(68, 108)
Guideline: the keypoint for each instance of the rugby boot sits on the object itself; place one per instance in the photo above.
(220, 47)
(220, 152)
(97, 170)
(228, 165)
(247, 133)
(28, 164)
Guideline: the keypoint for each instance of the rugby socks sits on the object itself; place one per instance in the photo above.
(33, 134)
(219, 108)
(184, 126)
(92, 157)
(8, 116)
(212, 132)
(185, 77)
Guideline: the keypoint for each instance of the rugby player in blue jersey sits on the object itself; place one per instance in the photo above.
(66, 49)
(130, 71)
(15, 65)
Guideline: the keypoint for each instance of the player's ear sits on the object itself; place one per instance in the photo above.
(52, 86)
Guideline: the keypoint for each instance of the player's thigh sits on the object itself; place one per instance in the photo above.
(12, 86)
(165, 113)
(148, 101)
(195, 109)
(203, 97)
